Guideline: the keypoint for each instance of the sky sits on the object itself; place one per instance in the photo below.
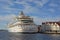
(40, 10)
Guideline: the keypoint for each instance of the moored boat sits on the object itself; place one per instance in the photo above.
(23, 24)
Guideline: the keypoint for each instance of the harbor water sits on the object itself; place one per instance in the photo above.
(4, 35)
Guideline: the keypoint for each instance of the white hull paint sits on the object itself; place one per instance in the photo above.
(24, 28)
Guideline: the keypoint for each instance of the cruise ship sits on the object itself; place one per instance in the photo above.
(23, 24)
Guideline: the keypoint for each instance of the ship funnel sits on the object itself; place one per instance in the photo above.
(21, 13)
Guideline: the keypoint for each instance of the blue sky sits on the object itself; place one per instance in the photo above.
(40, 10)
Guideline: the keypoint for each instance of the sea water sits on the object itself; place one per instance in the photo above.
(4, 35)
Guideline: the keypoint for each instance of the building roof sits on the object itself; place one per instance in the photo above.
(51, 23)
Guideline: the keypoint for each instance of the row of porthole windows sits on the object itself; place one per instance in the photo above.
(24, 27)
(52, 30)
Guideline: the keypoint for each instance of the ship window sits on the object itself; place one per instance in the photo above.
(27, 21)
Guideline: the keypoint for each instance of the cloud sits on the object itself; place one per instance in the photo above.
(51, 10)
(7, 18)
(39, 20)
(27, 6)
(53, 5)
(41, 3)
(11, 18)
(5, 2)
(11, 10)
(36, 2)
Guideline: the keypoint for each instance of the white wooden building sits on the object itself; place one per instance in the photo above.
(53, 27)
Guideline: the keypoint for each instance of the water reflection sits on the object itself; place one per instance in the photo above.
(22, 36)
(9, 36)
(34, 37)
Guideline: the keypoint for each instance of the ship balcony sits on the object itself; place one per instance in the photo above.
(25, 19)
(21, 24)
(26, 23)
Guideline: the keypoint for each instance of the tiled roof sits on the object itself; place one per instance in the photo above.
(51, 22)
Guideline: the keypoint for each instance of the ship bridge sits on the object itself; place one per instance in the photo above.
(24, 19)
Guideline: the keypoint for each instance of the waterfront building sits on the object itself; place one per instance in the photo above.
(23, 24)
(52, 27)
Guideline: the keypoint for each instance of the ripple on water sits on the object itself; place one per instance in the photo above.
(9, 36)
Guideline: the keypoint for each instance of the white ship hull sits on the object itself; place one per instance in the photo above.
(24, 28)
(23, 24)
